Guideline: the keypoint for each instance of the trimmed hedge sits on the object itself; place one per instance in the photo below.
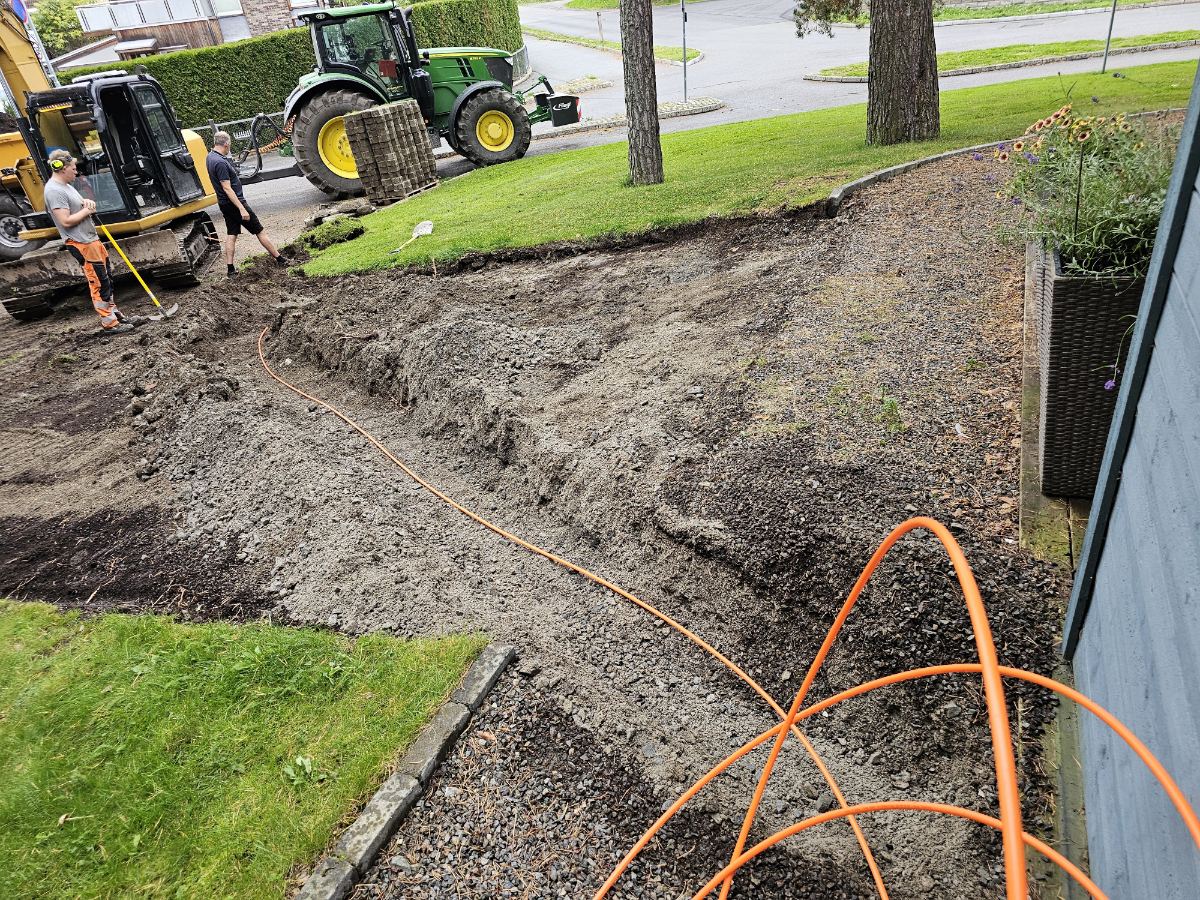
(239, 80)
(227, 82)
(467, 23)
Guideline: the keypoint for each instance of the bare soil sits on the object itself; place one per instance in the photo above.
(726, 421)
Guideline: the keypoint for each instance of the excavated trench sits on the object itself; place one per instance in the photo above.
(726, 424)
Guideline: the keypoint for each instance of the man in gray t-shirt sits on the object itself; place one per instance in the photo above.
(73, 217)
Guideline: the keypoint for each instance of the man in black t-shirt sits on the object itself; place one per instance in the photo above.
(232, 204)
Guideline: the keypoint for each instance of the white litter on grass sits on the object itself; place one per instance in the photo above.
(422, 228)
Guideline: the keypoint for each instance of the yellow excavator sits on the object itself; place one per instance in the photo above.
(145, 173)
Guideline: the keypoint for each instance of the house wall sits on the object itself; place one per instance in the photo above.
(1138, 651)
(265, 16)
(206, 33)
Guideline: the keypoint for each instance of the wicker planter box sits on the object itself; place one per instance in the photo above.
(1080, 327)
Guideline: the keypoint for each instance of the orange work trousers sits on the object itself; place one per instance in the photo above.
(93, 258)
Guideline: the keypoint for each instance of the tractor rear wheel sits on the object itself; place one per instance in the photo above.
(322, 148)
(492, 127)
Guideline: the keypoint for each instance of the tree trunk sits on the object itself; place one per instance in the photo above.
(641, 92)
(902, 84)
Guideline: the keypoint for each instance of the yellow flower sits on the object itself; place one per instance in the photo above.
(1101, 120)
(1003, 157)
(1140, 145)
(1083, 136)
(999, 195)
(1019, 146)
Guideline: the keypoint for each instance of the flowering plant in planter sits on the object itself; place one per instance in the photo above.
(1092, 188)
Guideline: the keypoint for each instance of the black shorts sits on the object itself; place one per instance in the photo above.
(234, 223)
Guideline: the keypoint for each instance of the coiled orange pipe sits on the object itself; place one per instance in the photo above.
(1006, 767)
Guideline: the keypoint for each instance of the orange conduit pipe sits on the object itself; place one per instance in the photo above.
(862, 840)
(1006, 767)
(1172, 789)
(918, 805)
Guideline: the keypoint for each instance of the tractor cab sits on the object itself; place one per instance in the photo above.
(377, 44)
(132, 157)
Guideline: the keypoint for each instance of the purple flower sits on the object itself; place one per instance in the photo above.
(1095, 99)
(1033, 159)
(1000, 146)
(989, 178)
(1110, 384)
(978, 156)
(1016, 201)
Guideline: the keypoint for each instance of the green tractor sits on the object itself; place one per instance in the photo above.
(367, 55)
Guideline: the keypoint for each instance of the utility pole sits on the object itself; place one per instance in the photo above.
(600, 25)
(683, 9)
(1108, 40)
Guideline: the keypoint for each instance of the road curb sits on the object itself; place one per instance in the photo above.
(1020, 64)
(336, 875)
(694, 108)
(568, 39)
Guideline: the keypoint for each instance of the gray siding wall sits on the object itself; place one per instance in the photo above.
(1139, 649)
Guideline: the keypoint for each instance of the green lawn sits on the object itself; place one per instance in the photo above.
(727, 169)
(967, 59)
(144, 758)
(660, 52)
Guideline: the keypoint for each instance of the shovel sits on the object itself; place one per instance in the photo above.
(425, 227)
(166, 313)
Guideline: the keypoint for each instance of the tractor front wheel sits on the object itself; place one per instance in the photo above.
(492, 127)
(322, 148)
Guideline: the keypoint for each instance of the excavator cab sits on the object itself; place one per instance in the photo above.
(133, 161)
(145, 174)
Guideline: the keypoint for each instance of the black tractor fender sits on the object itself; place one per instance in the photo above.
(476, 88)
(303, 93)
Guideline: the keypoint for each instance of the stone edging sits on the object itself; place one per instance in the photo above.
(566, 39)
(336, 875)
(1019, 64)
(840, 193)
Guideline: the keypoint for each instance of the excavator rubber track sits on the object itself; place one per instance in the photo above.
(173, 256)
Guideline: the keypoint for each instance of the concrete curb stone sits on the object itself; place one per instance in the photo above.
(378, 821)
(432, 744)
(333, 879)
(335, 876)
(1019, 64)
(483, 675)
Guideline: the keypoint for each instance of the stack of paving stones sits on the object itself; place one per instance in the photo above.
(391, 150)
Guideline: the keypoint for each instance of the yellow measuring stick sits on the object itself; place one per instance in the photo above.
(135, 272)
